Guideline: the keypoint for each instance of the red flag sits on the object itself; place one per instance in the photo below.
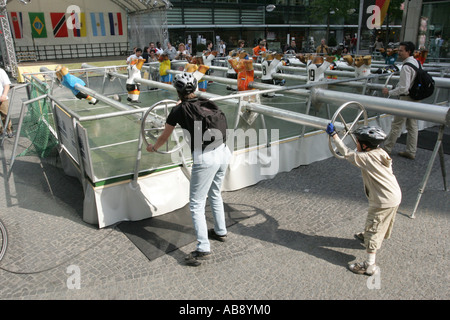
(17, 25)
(59, 24)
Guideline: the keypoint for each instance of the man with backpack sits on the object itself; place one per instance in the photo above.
(204, 127)
(407, 76)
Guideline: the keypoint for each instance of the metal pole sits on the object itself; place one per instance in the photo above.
(361, 13)
(430, 166)
(10, 108)
(19, 127)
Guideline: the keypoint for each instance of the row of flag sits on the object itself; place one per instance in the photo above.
(102, 24)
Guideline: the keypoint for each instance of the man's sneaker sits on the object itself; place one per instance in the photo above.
(213, 235)
(192, 259)
(363, 268)
(406, 155)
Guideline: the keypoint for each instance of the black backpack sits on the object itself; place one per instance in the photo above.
(423, 85)
(212, 118)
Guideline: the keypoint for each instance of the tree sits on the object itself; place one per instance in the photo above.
(326, 8)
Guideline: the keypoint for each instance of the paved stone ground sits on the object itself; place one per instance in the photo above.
(296, 244)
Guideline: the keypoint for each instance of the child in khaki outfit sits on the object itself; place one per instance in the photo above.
(381, 188)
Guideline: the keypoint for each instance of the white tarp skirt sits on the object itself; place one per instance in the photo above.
(168, 190)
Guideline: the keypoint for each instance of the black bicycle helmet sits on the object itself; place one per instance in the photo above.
(185, 83)
(371, 136)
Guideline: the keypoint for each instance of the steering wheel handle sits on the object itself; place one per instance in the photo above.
(348, 128)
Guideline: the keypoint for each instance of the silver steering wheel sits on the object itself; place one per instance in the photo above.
(348, 128)
(153, 124)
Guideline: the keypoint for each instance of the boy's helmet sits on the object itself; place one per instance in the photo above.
(185, 83)
(372, 136)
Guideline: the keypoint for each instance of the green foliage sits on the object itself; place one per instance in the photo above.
(200, 47)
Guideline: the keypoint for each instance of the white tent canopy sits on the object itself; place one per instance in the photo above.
(131, 6)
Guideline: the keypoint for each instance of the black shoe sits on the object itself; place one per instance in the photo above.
(406, 155)
(192, 259)
(213, 235)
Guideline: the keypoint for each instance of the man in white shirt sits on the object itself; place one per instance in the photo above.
(5, 85)
(136, 55)
(407, 75)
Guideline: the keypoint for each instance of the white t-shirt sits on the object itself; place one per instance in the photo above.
(222, 48)
(4, 80)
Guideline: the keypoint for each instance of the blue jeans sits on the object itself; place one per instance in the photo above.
(208, 172)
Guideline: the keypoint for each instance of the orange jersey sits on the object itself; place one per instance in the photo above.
(258, 50)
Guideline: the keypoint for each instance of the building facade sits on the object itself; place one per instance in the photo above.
(277, 21)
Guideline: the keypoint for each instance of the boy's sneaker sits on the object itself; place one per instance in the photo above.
(192, 259)
(363, 268)
(213, 235)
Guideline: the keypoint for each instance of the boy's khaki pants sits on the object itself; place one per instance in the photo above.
(379, 224)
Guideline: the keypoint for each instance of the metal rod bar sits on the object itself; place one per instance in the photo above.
(294, 117)
(415, 110)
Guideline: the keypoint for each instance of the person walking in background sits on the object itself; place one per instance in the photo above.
(407, 75)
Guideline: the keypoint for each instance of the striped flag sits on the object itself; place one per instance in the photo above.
(98, 24)
(38, 29)
(59, 24)
(17, 24)
(115, 24)
(79, 24)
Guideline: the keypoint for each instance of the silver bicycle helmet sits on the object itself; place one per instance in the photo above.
(372, 136)
(185, 83)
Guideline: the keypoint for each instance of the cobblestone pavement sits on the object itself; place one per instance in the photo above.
(296, 243)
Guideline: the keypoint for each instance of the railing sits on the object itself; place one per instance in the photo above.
(73, 51)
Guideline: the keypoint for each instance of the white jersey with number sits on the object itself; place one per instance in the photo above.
(269, 68)
(316, 73)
